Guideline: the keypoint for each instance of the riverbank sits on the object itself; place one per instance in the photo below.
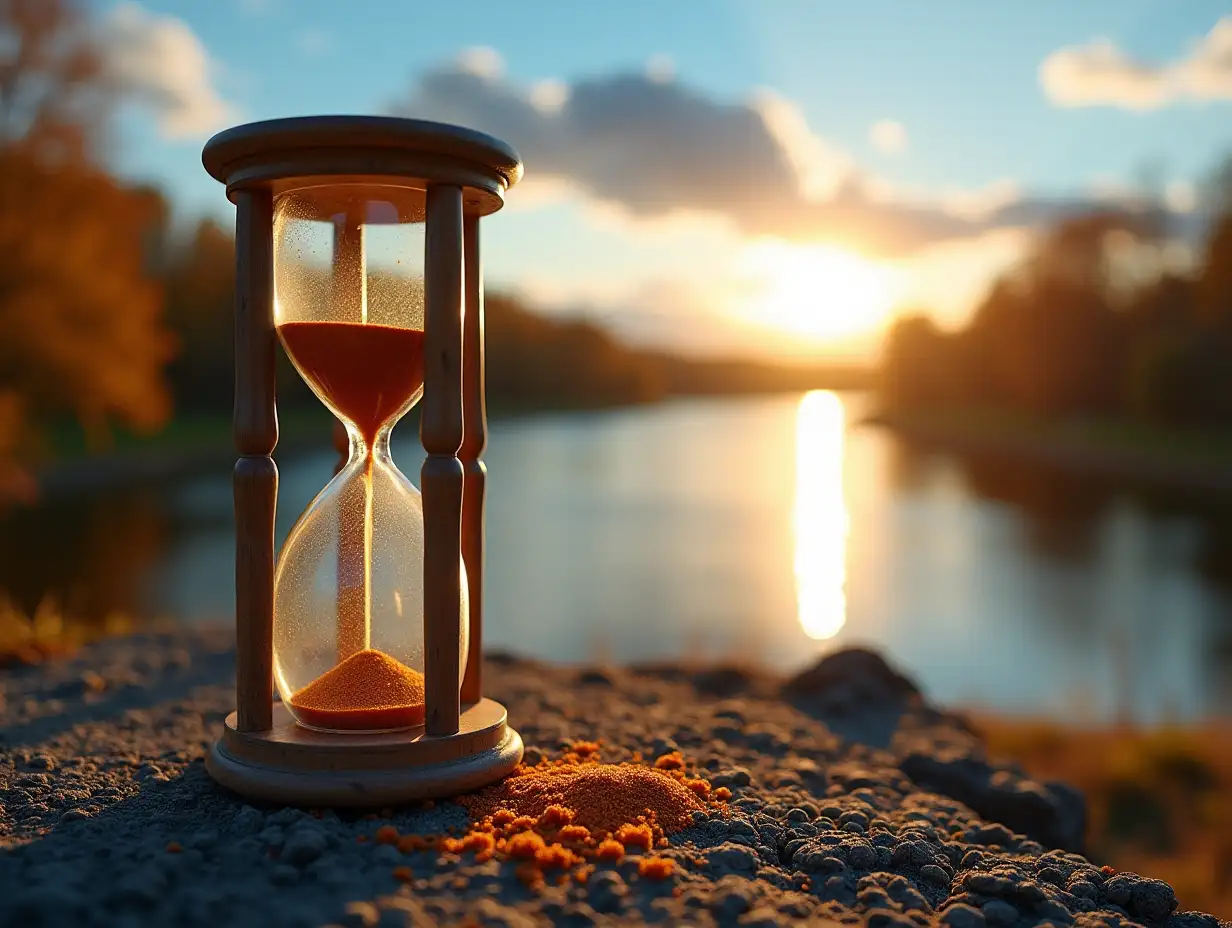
(843, 795)
(1119, 452)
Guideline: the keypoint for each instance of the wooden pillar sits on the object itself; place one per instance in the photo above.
(441, 477)
(256, 475)
(474, 440)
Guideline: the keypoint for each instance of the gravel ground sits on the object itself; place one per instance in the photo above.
(854, 801)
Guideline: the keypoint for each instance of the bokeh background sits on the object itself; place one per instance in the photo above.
(814, 324)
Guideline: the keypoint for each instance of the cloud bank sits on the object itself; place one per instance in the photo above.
(1101, 74)
(654, 147)
(158, 62)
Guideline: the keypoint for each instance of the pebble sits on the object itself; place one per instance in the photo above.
(303, 846)
(732, 858)
(606, 891)
(963, 916)
(999, 912)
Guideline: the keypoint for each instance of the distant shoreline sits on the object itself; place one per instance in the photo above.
(197, 443)
(1136, 455)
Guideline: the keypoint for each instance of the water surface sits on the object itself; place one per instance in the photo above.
(772, 529)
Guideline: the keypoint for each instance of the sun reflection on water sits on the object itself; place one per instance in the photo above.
(820, 519)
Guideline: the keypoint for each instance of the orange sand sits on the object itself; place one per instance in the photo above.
(558, 817)
(369, 691)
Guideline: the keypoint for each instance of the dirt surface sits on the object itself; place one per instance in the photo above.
(853, 801)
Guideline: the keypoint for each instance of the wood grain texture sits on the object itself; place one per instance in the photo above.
(255, 416)
(441, 481)
(441, 476)
(288, 765)
(255, 485)
(474, 440)
(255, 482)
(283, 139)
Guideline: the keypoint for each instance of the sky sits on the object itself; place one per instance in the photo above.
(774, 177)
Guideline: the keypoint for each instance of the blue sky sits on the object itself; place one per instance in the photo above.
(962, 81)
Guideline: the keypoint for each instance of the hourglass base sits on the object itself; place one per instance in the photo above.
(293, 765)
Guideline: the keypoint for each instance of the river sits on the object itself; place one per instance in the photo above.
(768, 529)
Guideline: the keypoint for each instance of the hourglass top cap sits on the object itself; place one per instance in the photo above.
(411, 152)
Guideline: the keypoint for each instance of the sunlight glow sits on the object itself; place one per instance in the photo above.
(820, 519)
(819, 290)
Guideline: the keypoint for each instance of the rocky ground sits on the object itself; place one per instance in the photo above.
(854, 801)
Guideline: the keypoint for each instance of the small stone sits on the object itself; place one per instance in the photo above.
(862, 856)
(797, 816)
(74, 815)
(596, 676)
(1083, 889)
(731, 903)
(761, 917)
(1153, 900)
(272, 836)
(736, 776)
(971, 860)
(606, 891)
(386, 855)
(1054, 911)
(532, 757)
(1118, 890)
(304, 846)
(248, 819)
(1051, 875)
(283, 875)
(935, 875)
(874, 897)
(993, 834)
(41, 762)
(889, 920)
(732, 858)
(963, 916)
(987, 883)
(1000, 912)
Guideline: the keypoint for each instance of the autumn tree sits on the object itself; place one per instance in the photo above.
(80, 320)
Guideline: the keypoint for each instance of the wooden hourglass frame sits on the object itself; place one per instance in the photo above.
(456, 176)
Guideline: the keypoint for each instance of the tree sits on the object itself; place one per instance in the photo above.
(917, 365)
(80, 320)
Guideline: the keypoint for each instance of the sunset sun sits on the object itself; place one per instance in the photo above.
(819, 291)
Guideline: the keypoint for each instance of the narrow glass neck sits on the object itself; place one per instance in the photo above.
(380, 444)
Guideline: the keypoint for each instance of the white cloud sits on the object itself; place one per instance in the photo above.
(821, 169)
(481, 61)
(661, 69)
(160, 63)
(549, 96)
(888, 137)
(1101, 74)
(654, 149)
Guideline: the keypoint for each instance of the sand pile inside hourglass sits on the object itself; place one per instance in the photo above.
(368, 373)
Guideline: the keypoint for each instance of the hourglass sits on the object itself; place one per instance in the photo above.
(357, 249)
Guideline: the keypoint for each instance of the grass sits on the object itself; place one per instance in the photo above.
(1159, 801)
(47, 633)
(185, 434)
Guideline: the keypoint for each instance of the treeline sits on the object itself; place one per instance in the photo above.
(1098, 320)
(110, 321)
